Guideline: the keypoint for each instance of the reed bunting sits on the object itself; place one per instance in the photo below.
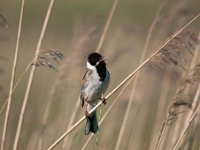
(95, 83)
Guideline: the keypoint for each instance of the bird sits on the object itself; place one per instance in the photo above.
(95, 83)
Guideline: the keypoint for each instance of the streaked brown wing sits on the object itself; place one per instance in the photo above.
(85, 80)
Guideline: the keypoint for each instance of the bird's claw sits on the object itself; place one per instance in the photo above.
(87, 114)
(103, 100)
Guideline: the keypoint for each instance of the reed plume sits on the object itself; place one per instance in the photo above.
(184, 96)
(48, 58)
(177, 53)
(188, 40)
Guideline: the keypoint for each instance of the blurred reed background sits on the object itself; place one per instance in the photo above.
(161, 98)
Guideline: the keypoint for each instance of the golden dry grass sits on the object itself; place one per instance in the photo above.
(157, 109)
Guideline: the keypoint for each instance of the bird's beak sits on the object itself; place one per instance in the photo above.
(103, 59)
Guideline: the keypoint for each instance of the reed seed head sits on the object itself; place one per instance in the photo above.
(49, 58)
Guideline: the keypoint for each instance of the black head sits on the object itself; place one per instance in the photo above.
(94, 58)
(97, 62)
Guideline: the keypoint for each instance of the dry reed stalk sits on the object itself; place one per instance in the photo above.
(193, 141)
(144, 52)
(100, 43)
(12, 77)
(188, 121)
(194, 77)
(107, 112)
(15, 86)
(122, 83)
(189, 142)
(156, 20)
(108, 22)
(162, 131)
(191, 79)
(16, 141)
(167, 129)
(125, 120)
(161, 105)
(196, 128)
(130, 101)
(77, 105)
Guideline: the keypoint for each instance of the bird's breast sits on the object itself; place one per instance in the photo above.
(95, 88)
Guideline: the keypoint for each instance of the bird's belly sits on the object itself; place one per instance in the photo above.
(96, 88)
(95, 92)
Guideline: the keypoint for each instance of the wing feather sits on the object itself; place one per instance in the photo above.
(85, 80)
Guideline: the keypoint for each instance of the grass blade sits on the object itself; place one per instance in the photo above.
(16, 141)
(12, 77)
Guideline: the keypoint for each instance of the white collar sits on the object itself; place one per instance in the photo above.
(89, 66)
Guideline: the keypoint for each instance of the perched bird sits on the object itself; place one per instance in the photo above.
(95, 83)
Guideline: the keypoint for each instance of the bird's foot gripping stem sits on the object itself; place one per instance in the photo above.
(87, 114)
(103, 100)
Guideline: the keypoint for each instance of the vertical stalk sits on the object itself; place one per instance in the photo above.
(21, 117)
(12, 77)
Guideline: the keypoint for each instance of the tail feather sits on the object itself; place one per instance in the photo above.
(91, 124)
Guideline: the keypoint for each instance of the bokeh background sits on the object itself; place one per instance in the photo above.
(74, 28)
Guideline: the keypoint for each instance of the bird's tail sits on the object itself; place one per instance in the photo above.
(91, 124)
